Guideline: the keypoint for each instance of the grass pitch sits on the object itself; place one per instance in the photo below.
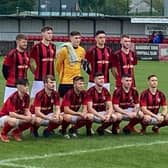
(121, 151)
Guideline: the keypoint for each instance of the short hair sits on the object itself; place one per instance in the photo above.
(51, 77)
(75, 33)
(77, 78)
(22, 82)
(126, 76)
(99, 32)
(98, 74)
(21, 37)
(125, 36)
(151, 76)
(46, 28)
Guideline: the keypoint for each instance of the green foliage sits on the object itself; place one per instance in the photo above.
(112, 7)
(157, 5)
(14, 6)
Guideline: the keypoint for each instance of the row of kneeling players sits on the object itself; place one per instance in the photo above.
(80, 108)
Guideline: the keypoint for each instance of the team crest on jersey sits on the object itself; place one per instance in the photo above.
(52, 51)
(131, 58)
(158, 100)
(104, 98)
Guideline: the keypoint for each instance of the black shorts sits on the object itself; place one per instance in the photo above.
(63, 88)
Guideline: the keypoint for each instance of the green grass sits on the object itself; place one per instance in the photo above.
(132, 151)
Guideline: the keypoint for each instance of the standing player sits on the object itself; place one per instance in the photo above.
(46, 107)
(126, 102)
(99, 58)
(152, 101)
(99, 104)
(42, 58)
(124, 61)
(68, 64)
(15, 113)
(15, 65)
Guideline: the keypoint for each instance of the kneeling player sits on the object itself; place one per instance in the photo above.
(126, 103)
(73, 100)
(100, 105)
(43, 107)
(15, 113)
(151, 100)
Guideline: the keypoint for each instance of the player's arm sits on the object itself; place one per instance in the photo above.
(109, 108)
(57, 111)
(5, 71)
(136, 108)
(60, 60)
(118, 109)
(67, 110)
(20, 116)
(164, 110)
(93, 111)
(40, 114)
(148, 112)
(32, 65)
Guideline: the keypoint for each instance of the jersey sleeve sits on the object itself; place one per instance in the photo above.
(116, 97)
(57, 99)
(143, 101)
(136, 97)
(27, 101)
(66, 100)
(37, 101)
(33, 52)
(8, 60)
(108, 96)
(163, 100)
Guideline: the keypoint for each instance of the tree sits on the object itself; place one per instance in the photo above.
(111, 7)
(157, 5)
(14, 6)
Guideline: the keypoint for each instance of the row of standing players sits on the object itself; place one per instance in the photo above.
(15, 115)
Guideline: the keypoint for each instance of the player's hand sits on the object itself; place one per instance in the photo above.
(107, 118)
(160, 118)
(103, 118)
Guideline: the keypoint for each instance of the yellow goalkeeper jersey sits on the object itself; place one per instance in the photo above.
(67, 70)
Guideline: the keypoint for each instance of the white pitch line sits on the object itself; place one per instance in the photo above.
(17, 165)
(8, 161)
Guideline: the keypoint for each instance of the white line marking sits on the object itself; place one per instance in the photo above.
(8, 161)
(17, 165)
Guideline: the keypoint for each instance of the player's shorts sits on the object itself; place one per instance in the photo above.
(46, 122)
(36, 87)
(63, 88)
(97, 119)
(106, 85)
(9, 91)
(128, 110)
(3, 119)
(74, 119)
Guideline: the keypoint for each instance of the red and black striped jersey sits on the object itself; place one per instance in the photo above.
(152, 102)
(99, 100)
(125, 65)
(125, 99)
(44, 57)
(18, 64)
(15, 104)
(73, 100)
(45, 102)
(100, 60)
